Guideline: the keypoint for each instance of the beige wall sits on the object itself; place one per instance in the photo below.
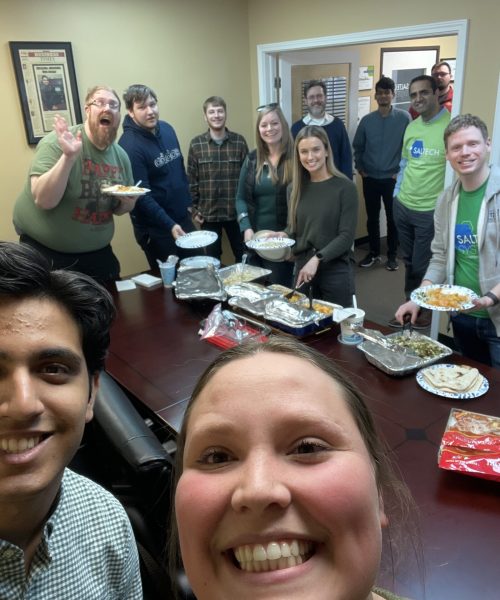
(190, 49)
(284, 20)
(185, 50)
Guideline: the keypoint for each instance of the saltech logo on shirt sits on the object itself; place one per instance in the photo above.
(417, 150)
(465, 238)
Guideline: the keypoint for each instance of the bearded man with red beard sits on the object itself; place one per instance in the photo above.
(63, 211)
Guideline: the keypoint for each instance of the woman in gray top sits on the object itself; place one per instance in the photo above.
(322, 219)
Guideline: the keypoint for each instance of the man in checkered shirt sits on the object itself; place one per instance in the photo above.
(214, 163)
(61, 535)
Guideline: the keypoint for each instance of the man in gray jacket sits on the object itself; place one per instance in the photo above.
(466, 244)
(377, 152)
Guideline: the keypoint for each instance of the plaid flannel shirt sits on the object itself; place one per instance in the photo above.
(213, 171)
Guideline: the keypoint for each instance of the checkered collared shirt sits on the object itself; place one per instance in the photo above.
(213, 171)
(87, 551)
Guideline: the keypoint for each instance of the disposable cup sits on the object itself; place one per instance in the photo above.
(347, 335)
(167, 274)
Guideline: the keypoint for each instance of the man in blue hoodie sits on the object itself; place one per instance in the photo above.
(162, 215)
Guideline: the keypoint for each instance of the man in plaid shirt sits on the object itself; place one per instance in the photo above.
(214, 162)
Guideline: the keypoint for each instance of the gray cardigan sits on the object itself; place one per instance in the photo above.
(442, 265)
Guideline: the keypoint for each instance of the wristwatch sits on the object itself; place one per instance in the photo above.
(493, 297)
(319, 255)
(241, 216)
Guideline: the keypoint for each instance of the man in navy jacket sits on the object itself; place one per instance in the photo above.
(162, 215)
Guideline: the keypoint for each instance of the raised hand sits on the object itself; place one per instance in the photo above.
(71, 145)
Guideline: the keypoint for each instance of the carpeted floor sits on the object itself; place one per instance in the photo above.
(379, 292)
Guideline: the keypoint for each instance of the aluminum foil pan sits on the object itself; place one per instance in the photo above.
(199, 283)
(400, 364)
(240, 273)
(251, 291)
(292, 315)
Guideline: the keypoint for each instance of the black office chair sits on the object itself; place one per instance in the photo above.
(125, 456)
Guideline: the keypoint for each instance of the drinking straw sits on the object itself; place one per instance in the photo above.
(354, 301)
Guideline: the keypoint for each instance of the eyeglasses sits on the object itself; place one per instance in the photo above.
(440, 74)
(270, 106)
(100, 103)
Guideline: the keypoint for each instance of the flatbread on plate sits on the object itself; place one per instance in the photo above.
(457, 379)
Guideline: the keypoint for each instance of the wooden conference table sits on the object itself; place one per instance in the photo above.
(157, 356)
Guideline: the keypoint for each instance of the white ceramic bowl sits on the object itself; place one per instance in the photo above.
(272, 254)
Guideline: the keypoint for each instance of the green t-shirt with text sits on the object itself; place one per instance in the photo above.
(466, 249)
(83, 219)
(423, 149)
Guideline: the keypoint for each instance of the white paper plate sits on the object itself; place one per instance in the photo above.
(422, 382)
(273, 243)
(200, 262)
(419, 296)
(116, 190)
(196, 239)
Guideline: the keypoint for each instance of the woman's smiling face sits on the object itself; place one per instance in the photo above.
(277, 498)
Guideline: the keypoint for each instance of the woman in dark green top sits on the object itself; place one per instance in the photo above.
(323, 217)
(261, 197)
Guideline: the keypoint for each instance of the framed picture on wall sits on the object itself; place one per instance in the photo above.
(403, 64)
(46, 81)
(453, 65)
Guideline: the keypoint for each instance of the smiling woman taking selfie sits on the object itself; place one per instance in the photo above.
(283, 485)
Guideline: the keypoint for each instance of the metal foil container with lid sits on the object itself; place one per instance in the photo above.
(195, 283)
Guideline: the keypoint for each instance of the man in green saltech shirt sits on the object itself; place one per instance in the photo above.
(419, 183)
(466, 244)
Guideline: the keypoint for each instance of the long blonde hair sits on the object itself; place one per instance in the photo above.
(299, 174)
(286, 147)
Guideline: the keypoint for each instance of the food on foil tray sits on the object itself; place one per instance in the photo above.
(421, 346)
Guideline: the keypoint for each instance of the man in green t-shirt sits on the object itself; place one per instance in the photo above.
(419, 183)
(465, 248)
(62, 210)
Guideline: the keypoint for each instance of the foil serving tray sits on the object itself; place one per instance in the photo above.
(400, 364)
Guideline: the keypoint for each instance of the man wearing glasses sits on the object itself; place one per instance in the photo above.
(315, 95)
(441, 72)
(62, 210)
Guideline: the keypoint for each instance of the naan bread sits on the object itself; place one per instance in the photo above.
(457, 379)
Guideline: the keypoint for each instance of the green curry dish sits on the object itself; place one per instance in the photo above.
(420, 346)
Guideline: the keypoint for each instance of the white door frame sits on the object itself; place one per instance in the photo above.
(266, 53)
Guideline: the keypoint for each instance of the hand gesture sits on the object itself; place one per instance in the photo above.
(70, 145)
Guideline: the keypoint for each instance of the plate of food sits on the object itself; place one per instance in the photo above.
(276, 249)
(270, 243)
(125, 190)
(444, 297)
(460, 382)
(196, 239)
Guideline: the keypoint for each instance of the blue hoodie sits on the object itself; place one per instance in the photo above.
(157, 161)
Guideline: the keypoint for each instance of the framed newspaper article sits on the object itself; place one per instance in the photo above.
(46, 81)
